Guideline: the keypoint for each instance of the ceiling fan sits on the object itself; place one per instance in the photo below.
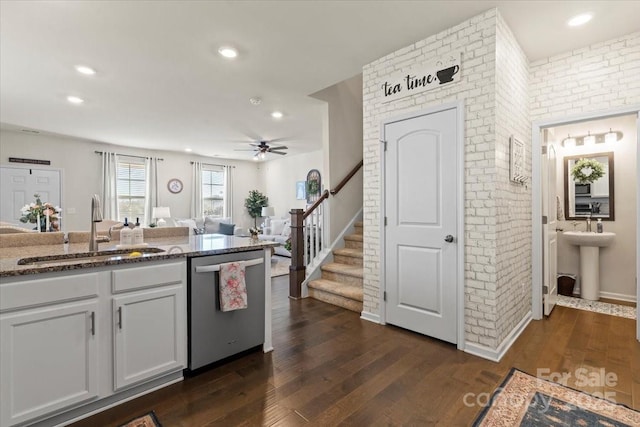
(262, 148)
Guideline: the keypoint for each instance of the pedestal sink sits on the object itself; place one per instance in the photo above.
(590, 244)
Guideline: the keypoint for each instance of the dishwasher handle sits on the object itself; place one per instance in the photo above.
(216, 267)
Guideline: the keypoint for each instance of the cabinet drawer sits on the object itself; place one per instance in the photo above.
(28, 293)
(129, 279)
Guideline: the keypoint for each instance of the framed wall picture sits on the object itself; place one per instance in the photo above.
(301, 194)
(517, 158)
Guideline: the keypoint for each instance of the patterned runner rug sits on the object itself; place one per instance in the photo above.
(598, 307)
(524, 400)
(146, 420)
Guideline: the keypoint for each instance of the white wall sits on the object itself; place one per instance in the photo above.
(617, 262)
(82, 168)
(342, 147)
(279, 177)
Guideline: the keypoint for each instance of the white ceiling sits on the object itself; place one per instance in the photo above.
(160, 83)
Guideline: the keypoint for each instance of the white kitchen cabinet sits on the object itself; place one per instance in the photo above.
(48, 359)
(149, 334)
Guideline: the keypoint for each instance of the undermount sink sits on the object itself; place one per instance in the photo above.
(589, 238)
(590, 244)
(100, 256)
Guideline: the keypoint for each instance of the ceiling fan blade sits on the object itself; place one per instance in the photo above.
(245, 149)
(282, 147)
(277, 152)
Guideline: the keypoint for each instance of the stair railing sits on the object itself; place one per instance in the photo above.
(309, 233)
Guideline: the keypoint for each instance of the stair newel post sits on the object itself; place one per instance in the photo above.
(297, 269)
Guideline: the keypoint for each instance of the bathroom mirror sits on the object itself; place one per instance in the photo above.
(596, 198)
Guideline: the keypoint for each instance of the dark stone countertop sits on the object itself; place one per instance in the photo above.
(55, 255)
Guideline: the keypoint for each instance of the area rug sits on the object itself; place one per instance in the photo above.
(280, 265)
(524, 400)
(598, 307)
(146, 420)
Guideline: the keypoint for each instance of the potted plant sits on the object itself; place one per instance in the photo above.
(254, 204)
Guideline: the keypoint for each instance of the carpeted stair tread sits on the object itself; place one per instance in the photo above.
(345, 269)
(351, 252)
(354, 237)
(336, 288)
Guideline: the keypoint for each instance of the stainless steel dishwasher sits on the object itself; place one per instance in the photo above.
(214, 334)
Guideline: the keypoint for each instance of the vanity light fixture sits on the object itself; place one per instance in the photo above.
(569, 142)
(83, 69)
(75, 100)
(228, 52)
(610, 137)
(578, 20)
(589, 139)
(277, 115)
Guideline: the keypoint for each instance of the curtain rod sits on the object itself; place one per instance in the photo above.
(128, 155)
(213, 164)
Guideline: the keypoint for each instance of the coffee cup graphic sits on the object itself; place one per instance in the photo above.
(446, 74)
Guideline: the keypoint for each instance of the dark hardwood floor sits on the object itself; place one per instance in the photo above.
(329, 368)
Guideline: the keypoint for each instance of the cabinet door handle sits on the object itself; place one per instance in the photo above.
(93, 323)
(119, 317)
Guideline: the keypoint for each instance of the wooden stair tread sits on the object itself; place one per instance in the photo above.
(345, 269)
(342, 289)
(351, 252)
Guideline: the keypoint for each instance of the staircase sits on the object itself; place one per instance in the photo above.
(341, 281)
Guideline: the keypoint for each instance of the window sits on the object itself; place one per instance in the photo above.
(131, 189)
(213, 192)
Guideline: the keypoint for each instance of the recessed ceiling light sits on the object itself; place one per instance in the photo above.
(578, 20)
(75, 100)
(277, 115)
(188, 150)
(83, 69)
(228, 52)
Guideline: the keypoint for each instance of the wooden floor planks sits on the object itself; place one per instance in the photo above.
(330, 367)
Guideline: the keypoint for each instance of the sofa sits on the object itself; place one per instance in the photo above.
(206, 225)
(277, 230)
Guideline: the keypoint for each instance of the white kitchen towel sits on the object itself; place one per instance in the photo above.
(233, 289)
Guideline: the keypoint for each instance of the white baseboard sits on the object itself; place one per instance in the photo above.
(619, 297)
(496, 354)
(375, 318)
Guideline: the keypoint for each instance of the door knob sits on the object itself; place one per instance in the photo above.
(449, 238)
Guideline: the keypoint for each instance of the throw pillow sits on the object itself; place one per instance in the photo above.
(212, 224)
(277, 225)
(286, 230)
(227, 229)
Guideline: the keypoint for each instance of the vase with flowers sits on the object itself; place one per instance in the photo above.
(46, 216)
(254, 231)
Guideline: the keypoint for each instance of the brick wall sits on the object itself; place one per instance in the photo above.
(476, 38)
(513, 201)
(598, 77)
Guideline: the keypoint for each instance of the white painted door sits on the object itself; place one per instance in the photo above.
(549, 233)
(48, 360)
(420, 236)
(147, 335)
(19, 184)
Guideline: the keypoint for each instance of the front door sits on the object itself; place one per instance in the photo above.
(18, 186)
(421, 213)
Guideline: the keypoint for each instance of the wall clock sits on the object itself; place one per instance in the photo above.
(175, 185)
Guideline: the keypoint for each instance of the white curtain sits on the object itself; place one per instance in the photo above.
(109, 190)
(196, 190)
(151, 180)
(228, 192)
